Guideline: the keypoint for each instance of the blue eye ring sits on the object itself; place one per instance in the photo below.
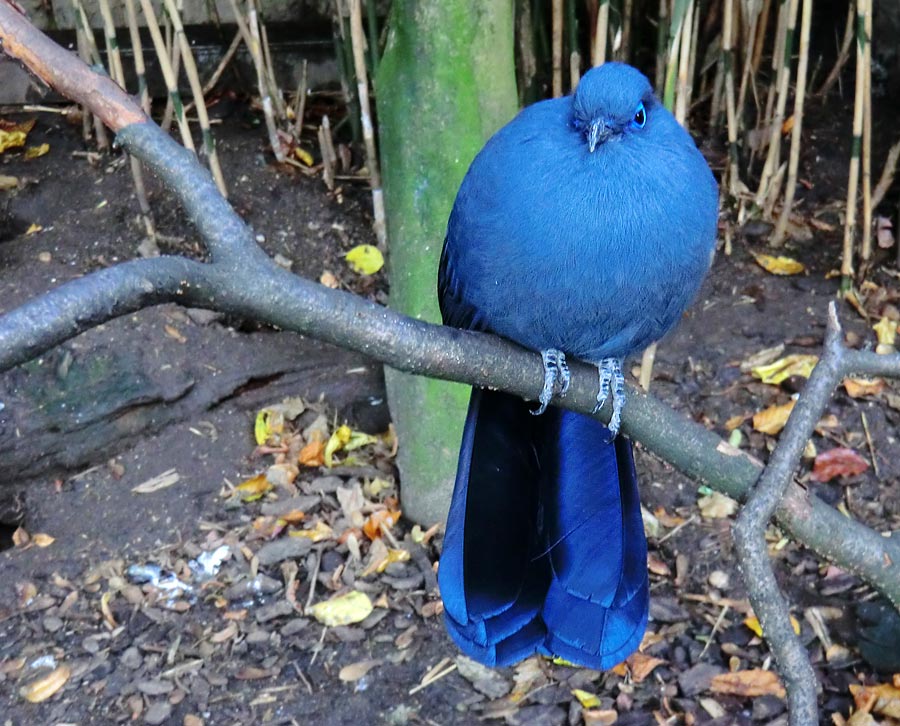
(640, 116)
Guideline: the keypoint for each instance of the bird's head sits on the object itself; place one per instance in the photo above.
(611, 100)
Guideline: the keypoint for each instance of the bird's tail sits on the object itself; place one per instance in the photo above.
(545, 549)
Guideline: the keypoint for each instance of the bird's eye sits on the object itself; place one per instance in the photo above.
(640, 117)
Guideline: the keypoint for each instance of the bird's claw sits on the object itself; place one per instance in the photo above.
(612, 380)
(556, 378)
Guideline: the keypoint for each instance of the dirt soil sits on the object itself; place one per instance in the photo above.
(123, 609)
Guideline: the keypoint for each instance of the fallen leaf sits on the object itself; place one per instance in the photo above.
(8, 182)
(779, 265)
(365, 259)
(253, 488)
(20, 537)
(355, 671)
(716, 506)
(753, 624)
(319, 532)
(884, 232)
(154, 484)
(886, 699)
(226, 633)
(886, 330)
(42, 540)
(483, 679)
(43, 688)
(859, 387)
(749, 684)
(13, 135)
(772, 420)
(313, 454)
(269, 424)
(34, 228)
(375, 521)
(33, 152)
(303, 155)
(600, 717)
(642, 665)
(838, 462)
(252, 673)
(798, 364)
(347, 609)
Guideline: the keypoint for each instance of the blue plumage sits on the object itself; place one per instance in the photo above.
(585, 226)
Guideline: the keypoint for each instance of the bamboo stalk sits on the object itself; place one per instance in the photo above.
(168, 72)
(627, 16)
(730, 110)
(86, 116)
(747, 76)
(137, 50)
(92, 53)
(764, 121)
(274, 90)
(601, 34)
(887, 175)
(173, 53)
(249, 31)
(300, 103)
(683, 96)
(866, 250)
(760, 38)
(797, 130)
(773, 157)
(358, 38)
(862, 7)
(372, 29)
(190, 69)
(843, 53)
(574, 54)
(557, 30)
(676, 31)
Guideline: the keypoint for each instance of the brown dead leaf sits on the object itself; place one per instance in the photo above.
(886, 699)
(772, 420)
(20, 537)
(656, 565)
(375, 521)
(175, 333)
(600, 717)
(838, 462)
(226, 633)
(716, 506)
(355, 671)
(749, 684)
(42, 540)
(252, 673)
(313, 454)
(859, 387)
(642, 665)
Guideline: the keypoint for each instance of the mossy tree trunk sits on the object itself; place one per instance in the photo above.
(445, 84)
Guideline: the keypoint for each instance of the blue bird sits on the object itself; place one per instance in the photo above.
(583, 228)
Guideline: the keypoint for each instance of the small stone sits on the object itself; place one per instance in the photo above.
(278, 609)
(283, 549)
(326, 484)
(259, 585)
(766, 708)
(158, 713)
(667, 610)
(52, 623)
(483, 679)
(192, 720)
(258, 637)
(719, 579)
(131, 658)
(292, 627)
(698, 679)
(155, 687)
(303, 503)
(44, 257)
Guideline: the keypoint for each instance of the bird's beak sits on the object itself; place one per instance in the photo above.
(598, 132)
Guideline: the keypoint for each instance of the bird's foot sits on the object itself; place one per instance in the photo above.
(612, 380)
(556, 378)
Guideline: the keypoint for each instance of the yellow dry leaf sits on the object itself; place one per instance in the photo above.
(886, 330)
(40, 690)
(316, 534)
(586, 699)
(358, 439)
(335, 443)
(34, 228)
(33, 152)
(600, 717)
(365, 259)
(269, 423)
(772, 420)
(108, 616)
(787, 125)
(20, 537)
(253, 488)
(784, 368)
(355, 671)
(42, 540)
(859, 387)
(749, 684)
(343, 610)
(11, 139)
(753, 624)
(313, 454)
(779, 265)
(716, 506)
(8, 182)
(642, 665)
(303, 155)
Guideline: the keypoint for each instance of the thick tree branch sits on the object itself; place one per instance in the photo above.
(240, 279)
(749, 530)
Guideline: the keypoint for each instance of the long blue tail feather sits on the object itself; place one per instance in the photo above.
(544, 549)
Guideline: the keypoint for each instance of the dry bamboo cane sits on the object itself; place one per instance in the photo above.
(866, 249)
(730, 110)
(173, 53)
(86, 116)
(274, 90)
(300, 104)
(358, 40)
(93, 53)
(118, 75)
(763, 121)
(692, 60)
(557, 48)
(627, 17)
(190, 69)
(747, 74)
(168, 72)
(683, 96)
(601, 33)
(843, 53)
(773, 157)
(797, 130)
(862, 7)
(662, 44)
(249, 31)
(220, 69)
